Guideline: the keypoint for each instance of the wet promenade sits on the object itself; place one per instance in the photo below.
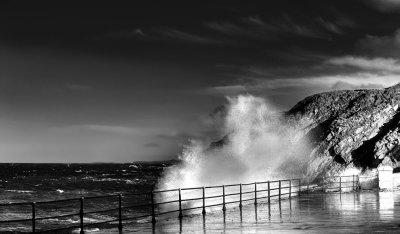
(360, 212)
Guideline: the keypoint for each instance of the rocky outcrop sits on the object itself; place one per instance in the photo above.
(350, 129)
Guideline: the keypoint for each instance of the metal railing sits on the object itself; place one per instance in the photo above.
(154, 204)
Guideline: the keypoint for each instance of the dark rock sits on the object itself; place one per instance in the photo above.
(219, 144)
(350, 129)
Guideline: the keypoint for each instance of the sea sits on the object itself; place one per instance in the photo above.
(20, 183)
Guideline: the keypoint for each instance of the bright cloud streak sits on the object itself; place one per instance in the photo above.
(379, 64)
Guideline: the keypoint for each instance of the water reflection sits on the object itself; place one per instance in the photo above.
(255, 212)
(341, 213)
(386, 205)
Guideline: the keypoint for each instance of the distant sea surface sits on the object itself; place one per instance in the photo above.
(45, 182)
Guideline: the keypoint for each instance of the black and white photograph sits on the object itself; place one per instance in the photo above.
(223, 116)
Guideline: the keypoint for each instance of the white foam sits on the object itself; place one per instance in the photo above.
(261, 147)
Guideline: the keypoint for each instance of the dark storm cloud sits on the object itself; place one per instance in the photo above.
(386, 45)
(161, 35)
(255, 27)
(114, 79)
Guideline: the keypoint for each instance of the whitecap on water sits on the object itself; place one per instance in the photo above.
(19, 191)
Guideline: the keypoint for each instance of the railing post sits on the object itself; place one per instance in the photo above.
(358, 182)
(290, 189)
(120, 212)
(81, 215)
(204, 201)
(153, 209)
(340, 184)
(279, 190)
(240, 196)
(223, 198)
(354, 187)
(308, 185)
(255, 193)
(269, 193)
(180, 204)
(33, 217)
(299, 187)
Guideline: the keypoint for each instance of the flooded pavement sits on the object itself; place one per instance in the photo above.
(361, 212)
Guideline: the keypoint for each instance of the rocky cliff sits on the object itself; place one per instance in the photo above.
(349, 129)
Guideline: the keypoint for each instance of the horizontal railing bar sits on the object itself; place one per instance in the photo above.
(262, 182)
(249, 184)
(216, 186)
(262, 190)
(136, 217)
(55, 217)
(274, 181)
(192, 199)
(232, 185)
(163, 191)
(219, 204)
(194, 188)
(248, 199)
(248, 192)
(216, 196)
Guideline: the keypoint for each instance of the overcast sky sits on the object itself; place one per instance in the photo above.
(115, 83)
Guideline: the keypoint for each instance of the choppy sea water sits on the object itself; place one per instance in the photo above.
(44, 182)
(361, 212)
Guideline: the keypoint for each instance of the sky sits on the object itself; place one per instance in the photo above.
(122, 83)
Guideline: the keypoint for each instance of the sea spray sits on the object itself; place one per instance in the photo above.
(258, 146)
